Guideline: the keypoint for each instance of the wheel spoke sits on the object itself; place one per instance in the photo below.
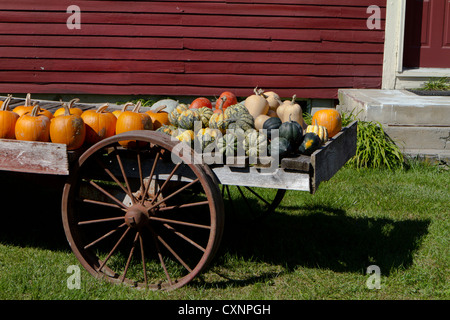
(100, 220)
(120, 203)
(261, 198)
(119, 160)
(101, 203)
(130, 256)
(104, 236)
(181, 235)
(113, 249)
(187, 205)
(161, 260)
(173, 194)
(173, 253)
(141, 178)
(126, 190)
(245, 199)
(190, 224)
(165, 182)
(141, 243)
(150, 178)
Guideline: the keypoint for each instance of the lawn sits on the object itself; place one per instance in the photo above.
(313, 247)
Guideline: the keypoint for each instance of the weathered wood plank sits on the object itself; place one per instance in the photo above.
(333, 155)
(33, 157)
(254, 177)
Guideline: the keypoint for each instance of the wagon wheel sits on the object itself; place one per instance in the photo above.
(134, 216)
(251, 204)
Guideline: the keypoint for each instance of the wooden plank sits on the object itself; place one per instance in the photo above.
(300, 163)
(186, 79)
(193, 55)
(33, 157)
(254, 177)
(333, 155)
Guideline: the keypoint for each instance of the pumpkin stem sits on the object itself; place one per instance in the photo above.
(5, 105)
(222, 101)
(137, 107)
(293, 98)
(102, 108)
(66, 109)
(71, 102)
(28, 100)
(126, 105)
(156, 110)
(36, 110)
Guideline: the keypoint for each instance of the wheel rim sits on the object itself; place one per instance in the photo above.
(133, 216)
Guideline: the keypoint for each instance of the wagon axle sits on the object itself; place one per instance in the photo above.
(137, 216)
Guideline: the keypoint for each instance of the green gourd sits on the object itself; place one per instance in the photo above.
(311, 142)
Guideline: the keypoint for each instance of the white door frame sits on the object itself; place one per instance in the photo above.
(394, 75)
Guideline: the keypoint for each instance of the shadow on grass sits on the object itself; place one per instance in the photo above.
(326, 238)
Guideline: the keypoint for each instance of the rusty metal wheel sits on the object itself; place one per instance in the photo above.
(250, 205)
(141, 215)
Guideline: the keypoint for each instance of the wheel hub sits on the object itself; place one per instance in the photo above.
(136, 216)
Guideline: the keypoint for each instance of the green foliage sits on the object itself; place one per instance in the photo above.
(440, 84)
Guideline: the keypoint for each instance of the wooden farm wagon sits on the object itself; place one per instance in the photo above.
(151, 217)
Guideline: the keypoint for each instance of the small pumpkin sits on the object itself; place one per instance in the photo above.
(68, 129)
(217, 120)
(133, 120)
(186, 120)
(311, 142)
(26, 107)
(206, 138)
(175, 113)
(186, 136)
(292, 131)
(257, 104)
(118, 112)
(321, 131)
(255, 143)
(159, 117)
(200, 103)
(228, 144)
(33, 126)
(100, 124)
(72, 109)
(273, 99)
(205, 115)
(230, 100)
(290, 110)
(8, 120)
(259, 121)
(271, 124)
(330, 119)
(280, 147)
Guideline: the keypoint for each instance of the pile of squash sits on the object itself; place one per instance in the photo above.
(260, 124)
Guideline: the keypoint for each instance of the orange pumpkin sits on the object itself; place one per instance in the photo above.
(33, 126)
(330, 119)
(159, 117)
(72, 109)
(68, 129)
(100, 124)
(8, 120)
(27, 107)
(124, 108)
(133, 120)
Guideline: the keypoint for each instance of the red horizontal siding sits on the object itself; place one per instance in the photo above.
(305, 47)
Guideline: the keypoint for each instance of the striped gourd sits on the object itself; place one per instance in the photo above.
(321, 131)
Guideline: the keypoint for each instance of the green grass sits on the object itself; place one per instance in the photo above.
(313, 247)
(439, 84)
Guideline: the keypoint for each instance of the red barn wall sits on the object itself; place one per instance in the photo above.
(306, 47)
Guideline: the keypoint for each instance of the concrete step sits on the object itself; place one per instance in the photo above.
(420, 125)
